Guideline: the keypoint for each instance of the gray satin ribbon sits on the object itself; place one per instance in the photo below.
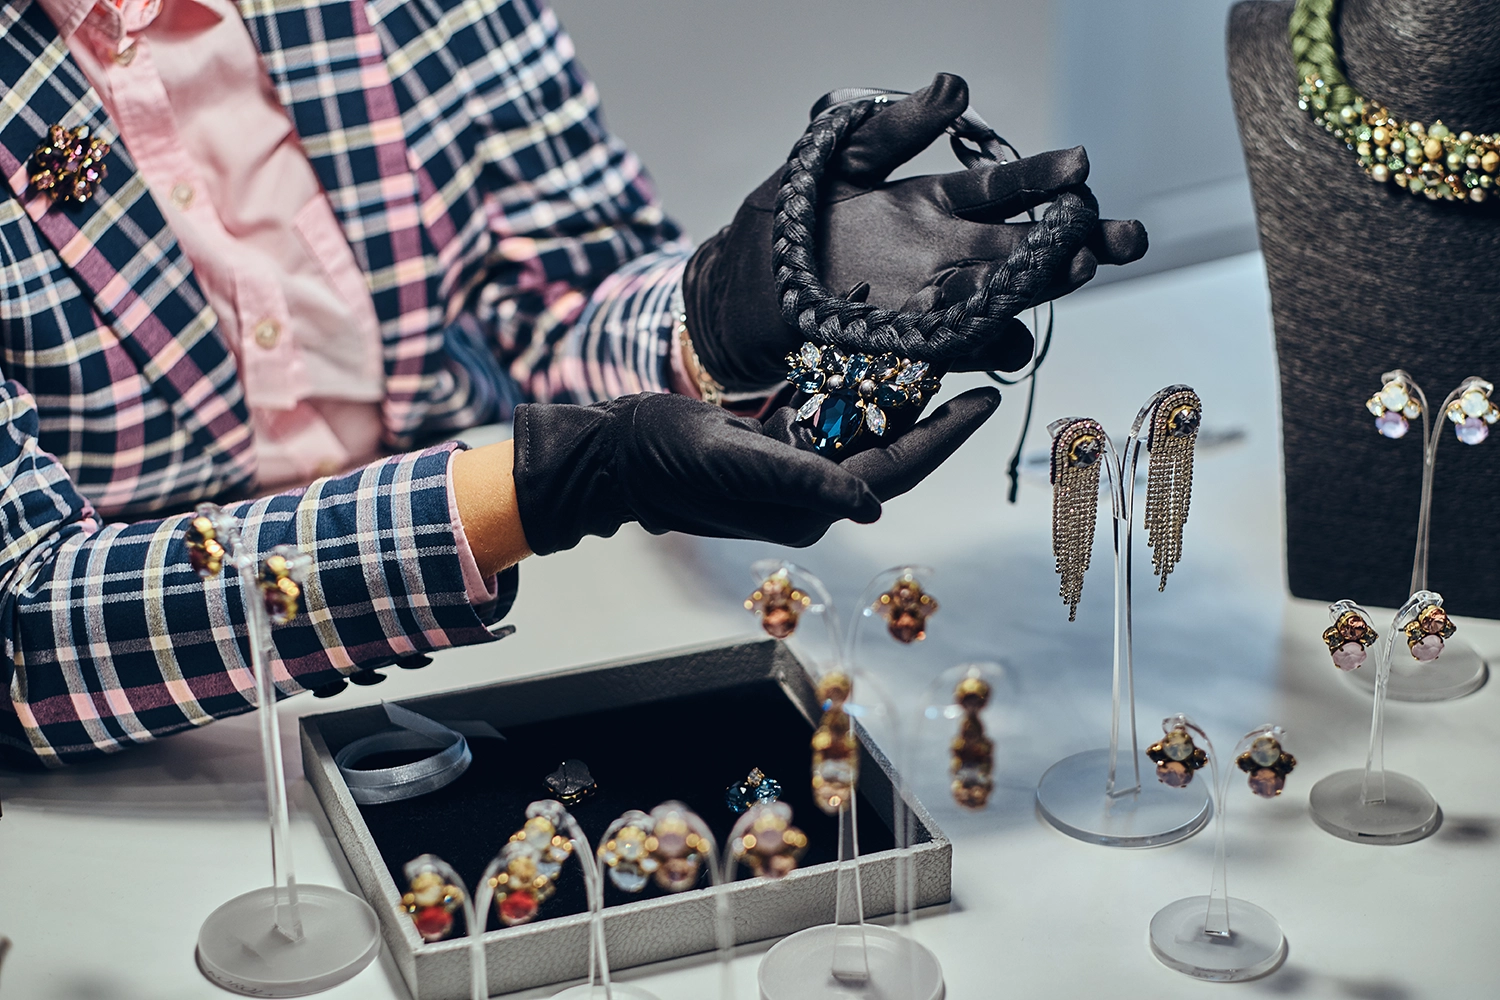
(407, 781)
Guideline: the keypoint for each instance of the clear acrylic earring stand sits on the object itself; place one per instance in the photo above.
(872, 636)
(932, 748)
(861, 959)
(1097, 795)
(626, 864)
(599, 986)
(1460, 670)
(939, 718)
(1217, 937)
(475, 909)
(1371, 805)
(285, 940)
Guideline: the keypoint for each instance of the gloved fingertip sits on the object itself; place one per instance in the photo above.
(869, 509)
(1083, 268)
(1128, 241)
(948, 92)
(984, 399)
(1079, 159)
(926, 299)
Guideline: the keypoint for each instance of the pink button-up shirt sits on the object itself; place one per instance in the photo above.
(183, 81)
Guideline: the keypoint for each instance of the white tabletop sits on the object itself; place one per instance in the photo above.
(107, 871)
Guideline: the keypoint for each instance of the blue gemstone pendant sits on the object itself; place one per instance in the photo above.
(853, 393)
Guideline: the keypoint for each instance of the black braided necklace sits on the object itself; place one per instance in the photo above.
(861, 360)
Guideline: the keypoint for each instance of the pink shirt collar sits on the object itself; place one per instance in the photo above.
(116, 20)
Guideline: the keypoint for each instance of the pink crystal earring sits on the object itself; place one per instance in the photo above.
(1177, 757)
(1350, 637)
(1266, 761)
(1426, 633)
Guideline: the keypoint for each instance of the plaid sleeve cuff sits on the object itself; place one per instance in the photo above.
(114, 640)
(621, 342)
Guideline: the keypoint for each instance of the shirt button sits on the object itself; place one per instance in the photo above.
(267, 333)
(126, 56)
(182, 195)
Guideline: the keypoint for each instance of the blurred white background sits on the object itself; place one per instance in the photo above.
(713, 94)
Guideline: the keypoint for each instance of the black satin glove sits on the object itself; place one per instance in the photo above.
(679, 464)
(920, 244)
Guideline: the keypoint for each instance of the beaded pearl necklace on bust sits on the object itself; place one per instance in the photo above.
(1425, 160)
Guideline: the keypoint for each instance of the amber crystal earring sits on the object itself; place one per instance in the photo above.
(835, 761)
(1077, 449)
(1266, 761)
(206, 552)
(906, 608)
(1169, 477)
(1177, 757)
(973, 757)
(778, 604)
(280, 580)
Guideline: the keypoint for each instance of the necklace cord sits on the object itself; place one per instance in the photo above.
(939, 335)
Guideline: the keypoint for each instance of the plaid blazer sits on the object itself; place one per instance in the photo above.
(514, 251)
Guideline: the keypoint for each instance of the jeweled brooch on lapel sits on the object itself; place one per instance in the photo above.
(69, 164)
(850, 393)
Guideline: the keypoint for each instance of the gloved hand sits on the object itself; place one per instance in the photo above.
(678, 464)
(920, 244)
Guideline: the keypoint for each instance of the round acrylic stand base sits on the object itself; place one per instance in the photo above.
(240, 949)
(1254, 947)
(1071, 797)
(619, 991)
(1408, 812)
(1459, 671)
(800, 968)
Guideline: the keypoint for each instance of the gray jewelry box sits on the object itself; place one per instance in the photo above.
(554, 949)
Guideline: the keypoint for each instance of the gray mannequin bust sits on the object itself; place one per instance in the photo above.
(1366, 278)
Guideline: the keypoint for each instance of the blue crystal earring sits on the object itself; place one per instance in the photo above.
(852, 393)
(755, 788)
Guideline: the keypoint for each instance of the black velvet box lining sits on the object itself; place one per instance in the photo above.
(689, 747)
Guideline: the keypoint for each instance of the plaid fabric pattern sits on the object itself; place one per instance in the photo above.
(514, 250)
(111, 639)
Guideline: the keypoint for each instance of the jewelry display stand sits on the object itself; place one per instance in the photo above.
(284, 940)
(863, 960)
(1097, 795)
(475, 914)
(933, 745)
(1217, 937)
(718, 877)
(593, 886)
(1460, 670)
(1373, 805)
(940, 716)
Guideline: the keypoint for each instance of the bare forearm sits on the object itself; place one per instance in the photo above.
(485, 491)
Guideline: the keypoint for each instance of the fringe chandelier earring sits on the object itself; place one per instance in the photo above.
(1077, 450)
(1169, 477)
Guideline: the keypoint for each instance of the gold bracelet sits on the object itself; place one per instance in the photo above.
(708, 387)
